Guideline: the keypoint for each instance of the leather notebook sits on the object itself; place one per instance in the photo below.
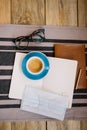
(75, 52)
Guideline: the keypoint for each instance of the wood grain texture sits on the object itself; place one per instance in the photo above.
(65, 125)
(83, 125)
(61, 12)
(5, 126)
(5, 11)
(28, 12)
(82, 13)
(38, 125)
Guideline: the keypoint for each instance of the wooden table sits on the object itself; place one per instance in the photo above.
(44, 12)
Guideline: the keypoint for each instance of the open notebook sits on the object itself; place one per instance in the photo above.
(59, 80)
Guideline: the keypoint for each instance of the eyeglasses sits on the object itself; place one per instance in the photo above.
(22, 42)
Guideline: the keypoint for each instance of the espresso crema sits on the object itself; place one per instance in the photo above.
(35, 65)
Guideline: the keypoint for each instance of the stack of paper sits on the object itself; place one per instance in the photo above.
(53, 92)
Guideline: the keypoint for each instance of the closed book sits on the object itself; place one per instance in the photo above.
(75, 52)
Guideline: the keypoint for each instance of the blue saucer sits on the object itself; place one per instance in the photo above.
(43, 58)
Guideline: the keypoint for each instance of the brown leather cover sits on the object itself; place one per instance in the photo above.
(75, 52)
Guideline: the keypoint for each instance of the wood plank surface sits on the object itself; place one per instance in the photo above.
(65, 125)
(5, 12)
(83, 125)
(61, 12)
(5, 125)
(28, 12)
(38, 125)
(82, 13)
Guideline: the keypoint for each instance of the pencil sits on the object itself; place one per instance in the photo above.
(80, 71)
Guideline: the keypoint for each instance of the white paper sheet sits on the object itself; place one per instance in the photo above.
(19, 80)
(60, 78)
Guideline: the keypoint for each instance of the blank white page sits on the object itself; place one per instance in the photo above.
(61, 77)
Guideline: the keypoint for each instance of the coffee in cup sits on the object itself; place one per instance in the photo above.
(34, 65)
